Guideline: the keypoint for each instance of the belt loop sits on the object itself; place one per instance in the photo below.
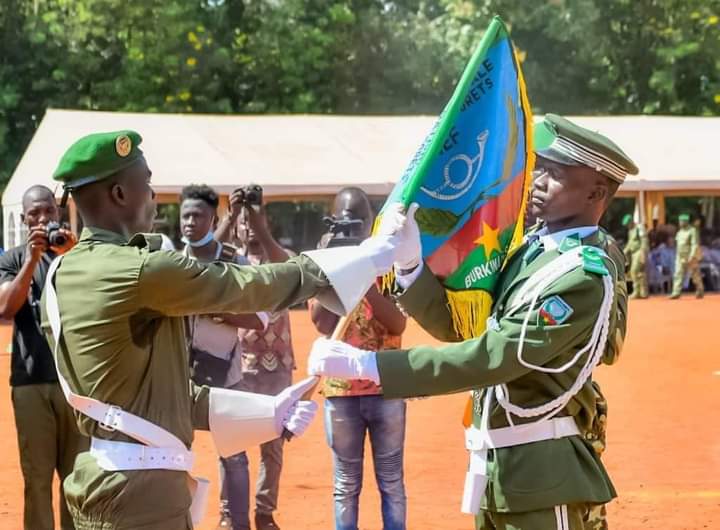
(109, 422)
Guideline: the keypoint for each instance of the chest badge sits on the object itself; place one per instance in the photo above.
(554, 311)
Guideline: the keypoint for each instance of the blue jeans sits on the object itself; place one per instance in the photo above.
(346, 421)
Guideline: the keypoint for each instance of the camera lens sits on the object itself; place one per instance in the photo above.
(56, 239)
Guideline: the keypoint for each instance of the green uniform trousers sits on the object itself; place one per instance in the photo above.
(638, 275)
(682, 267)
(565, 517)
(49, 440)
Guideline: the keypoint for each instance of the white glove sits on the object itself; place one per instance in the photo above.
(403, 233)
(300, 417)
(335, 358)
(291, 411)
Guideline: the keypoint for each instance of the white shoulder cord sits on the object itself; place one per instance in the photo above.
(530, 292)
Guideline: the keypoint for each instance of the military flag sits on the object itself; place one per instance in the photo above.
(471, 177)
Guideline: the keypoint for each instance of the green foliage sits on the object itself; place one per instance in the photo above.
(435, 221)
(345, 56)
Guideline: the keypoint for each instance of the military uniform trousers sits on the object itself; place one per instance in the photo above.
(685, 266)
(235, 478)
(49, 440)
(564, 517)
(638, 276)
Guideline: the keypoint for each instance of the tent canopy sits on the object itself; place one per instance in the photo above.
(317, 154)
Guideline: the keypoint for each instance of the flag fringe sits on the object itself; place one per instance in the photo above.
(519, 232)
(469, 311)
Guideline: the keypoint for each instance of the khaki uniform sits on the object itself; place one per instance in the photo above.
(687, 260)
(121, 305)
(636, 252)
(49, 441)
(530, 486)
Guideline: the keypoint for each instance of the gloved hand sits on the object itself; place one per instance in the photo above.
(300, 416)
(403, 233)
(292, 412)
(335, 358)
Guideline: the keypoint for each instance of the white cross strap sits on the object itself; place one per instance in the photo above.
(109, 417)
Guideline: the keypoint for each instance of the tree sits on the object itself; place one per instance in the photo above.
(345, 56)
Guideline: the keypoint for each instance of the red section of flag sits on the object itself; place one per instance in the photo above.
(499, 212)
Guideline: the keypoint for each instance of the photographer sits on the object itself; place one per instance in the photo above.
(48, 437)
(267, 362)
(213, 339)
(248, 202)
(356, 407)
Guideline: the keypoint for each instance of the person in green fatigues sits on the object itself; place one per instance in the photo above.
(559, 310)
(636, 252)
(687, 258)
(112, 311)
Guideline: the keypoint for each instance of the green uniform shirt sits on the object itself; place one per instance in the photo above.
(686, 243)
(123, 343)
(542, 474)
(637, 240)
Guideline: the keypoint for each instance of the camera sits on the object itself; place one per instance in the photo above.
(252, 195)
(55, 237)
(342, 232)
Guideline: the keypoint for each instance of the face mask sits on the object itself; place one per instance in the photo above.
(200, 242)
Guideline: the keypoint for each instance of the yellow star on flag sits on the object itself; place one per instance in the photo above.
(489, 240)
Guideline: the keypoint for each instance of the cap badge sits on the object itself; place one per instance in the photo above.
(123, 145)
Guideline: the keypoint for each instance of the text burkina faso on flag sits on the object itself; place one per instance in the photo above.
(471, 176)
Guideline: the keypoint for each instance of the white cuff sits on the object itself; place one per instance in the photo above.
(404, 281)
(350, 270)
(240, 420)
(368, 367)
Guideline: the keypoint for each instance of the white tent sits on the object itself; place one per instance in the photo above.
(293, 156)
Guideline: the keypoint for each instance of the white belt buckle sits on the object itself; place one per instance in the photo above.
(108, 422)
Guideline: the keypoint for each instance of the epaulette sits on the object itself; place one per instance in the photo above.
(593, 260)
(152, 242)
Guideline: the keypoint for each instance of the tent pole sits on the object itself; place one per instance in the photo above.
(641, 204)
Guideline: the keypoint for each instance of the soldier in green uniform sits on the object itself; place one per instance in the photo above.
(559, 310)
(636, 252)
(687, 258)
(112, 312)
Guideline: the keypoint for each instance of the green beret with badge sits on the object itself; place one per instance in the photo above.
(564, 142)
(97, 156)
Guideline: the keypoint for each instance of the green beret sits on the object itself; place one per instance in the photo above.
(684, 217)
(96, 157)
(562, 141)
(626, 219)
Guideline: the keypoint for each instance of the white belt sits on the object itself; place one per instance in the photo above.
(160, 449)
(126, 456)
(478, 442)
(520, 434)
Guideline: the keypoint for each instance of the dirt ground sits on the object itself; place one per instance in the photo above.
(664, 436)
